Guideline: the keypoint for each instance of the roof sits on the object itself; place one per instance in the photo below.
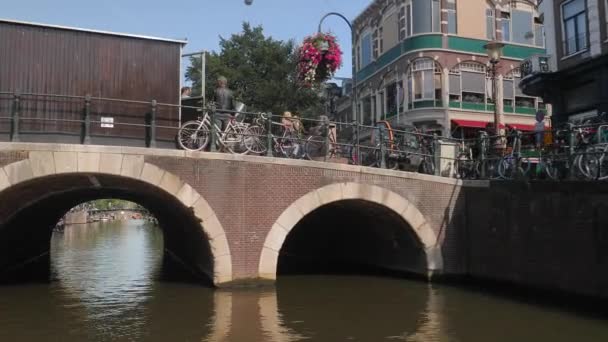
(18, 22)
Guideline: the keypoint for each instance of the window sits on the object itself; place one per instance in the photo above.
(473, 82)
(454, 83)
(527, 102)
(424, 80)
(522, 28)
(408, 16)
(381, 37)
(490, 24)
(505, 26)
(422, 12)
(452, 18)
(426, 16)
(539, 33)
(402, 23)
(436, 15)
(376, 43)
(574, 26)
(391, 99)
(367, 110)
(366, 50)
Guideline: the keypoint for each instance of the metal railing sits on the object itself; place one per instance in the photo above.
(575, 152)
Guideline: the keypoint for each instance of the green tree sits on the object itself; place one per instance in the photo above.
(260, 70)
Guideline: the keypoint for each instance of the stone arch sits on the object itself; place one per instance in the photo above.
(40, 164)
(315, 199)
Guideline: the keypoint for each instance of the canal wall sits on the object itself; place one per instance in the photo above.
(76, 217)
(543, 235)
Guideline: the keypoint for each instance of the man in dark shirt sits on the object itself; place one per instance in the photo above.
(224, 100)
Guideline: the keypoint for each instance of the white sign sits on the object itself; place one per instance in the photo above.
(107, 122)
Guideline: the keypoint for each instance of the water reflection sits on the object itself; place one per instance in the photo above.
(107, 288)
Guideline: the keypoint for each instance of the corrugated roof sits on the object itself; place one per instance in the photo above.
(92, 31)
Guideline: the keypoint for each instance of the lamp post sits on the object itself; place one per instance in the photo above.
(494, 50)
(352, 33)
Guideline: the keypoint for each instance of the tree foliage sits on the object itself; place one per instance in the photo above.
(260, 70)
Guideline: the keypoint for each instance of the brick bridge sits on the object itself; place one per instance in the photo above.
(233, 219)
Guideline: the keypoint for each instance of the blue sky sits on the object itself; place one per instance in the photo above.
(201, 22)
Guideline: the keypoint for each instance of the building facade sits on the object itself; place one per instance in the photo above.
(423, 62)
(577, 46)
(39, 59)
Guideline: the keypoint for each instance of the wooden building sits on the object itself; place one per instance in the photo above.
(47, 72)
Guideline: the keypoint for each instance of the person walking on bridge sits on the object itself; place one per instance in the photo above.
(224, 100)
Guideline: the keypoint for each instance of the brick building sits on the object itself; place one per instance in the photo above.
(422, 62)
(577, 45)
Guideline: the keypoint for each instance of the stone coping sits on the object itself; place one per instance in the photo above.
(10, 146)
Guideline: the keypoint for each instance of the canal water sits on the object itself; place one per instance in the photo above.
(105, 288)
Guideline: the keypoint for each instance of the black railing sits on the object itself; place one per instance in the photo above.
(573, 151)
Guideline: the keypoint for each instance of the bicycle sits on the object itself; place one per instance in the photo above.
(287, 145)
(323, 144)
(195, 135)
(513, 164)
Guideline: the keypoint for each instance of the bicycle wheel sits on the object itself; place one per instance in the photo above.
(368, 156)
(602, 162)
(551, 168)
(490, 167)
(427, 166)
(254, 140)
(314, 147)
(506, 169)
(233, 140)
(589, 164)
(192, 136)
(525, 164)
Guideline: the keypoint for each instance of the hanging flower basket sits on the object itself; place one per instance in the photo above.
(319, 58)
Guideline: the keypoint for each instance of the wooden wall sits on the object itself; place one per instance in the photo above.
(47, 60)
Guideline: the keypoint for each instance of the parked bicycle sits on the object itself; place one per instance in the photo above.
(286, 144)
(196, 135)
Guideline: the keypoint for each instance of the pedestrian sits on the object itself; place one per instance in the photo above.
(539, 128)
(224, 101)
(286, 121)
(186, 92)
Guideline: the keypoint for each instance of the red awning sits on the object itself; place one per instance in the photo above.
(522, 127)
(470, 123)
(482, 124)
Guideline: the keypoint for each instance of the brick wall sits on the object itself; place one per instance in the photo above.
(545, 235)
(249, 197)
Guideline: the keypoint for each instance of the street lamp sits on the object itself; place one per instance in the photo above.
(494, 50)
(352, 33)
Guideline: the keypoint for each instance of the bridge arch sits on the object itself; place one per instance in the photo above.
(338, 192)
(130, 170)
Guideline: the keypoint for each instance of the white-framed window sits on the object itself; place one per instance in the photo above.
(520, 24)
(512, 94)
(426, 16)
(505, 26)
(490, 22)
(424, 81)
(468, 83)
(574, 26)
(452, 17)
(539, 33)
(405, 20)
(375, 43)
